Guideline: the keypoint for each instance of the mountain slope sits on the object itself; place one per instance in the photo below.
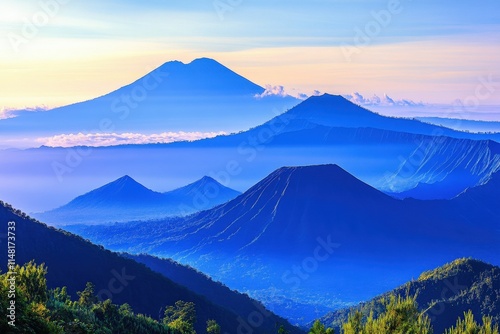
(72, 262)
(125, 199)
(337, 111)
(168, 98)
(121, 192)
(284, 237)
(200, 195)
(444, 294)
(198, 283)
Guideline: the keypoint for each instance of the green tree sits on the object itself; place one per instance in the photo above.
(87, 296)
(400, 315)
(30, 290)
(282, 330)
(319, 328)
(32, 281)
(106, 311)
(354, 324)
(469, 326)
(126, 310)
(181, 317)
(60, 295)
(213, 327)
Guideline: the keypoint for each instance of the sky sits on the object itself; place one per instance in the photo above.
(56, 52)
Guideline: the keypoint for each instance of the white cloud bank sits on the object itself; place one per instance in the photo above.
(113, 139)
(356, 97)
(11, 113)
(384, 101)
(272, 91)
(281, 91)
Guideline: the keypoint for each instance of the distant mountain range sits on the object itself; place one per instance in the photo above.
(203, 95)
(407, 158)
(444, 294)
(72, 262)
(338, 112)
(434, 162)
(299, 225)
(125, 199)
(463, 124)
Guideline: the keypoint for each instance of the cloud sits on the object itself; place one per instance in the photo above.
(11, 113)
(283, 92)
(385, 101)
(272, 91)
(113, 139)
(5, 113)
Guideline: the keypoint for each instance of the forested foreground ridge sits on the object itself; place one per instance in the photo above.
(401, 315)
(33, 308)
(73, 261)
(465, 288)
(36, 309)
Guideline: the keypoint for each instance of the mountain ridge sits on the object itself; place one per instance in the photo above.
(444, 294)
(125, 199)
(319, 109)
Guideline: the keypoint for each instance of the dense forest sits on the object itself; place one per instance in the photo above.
(37, 309)
(401, 315)
(442, 294)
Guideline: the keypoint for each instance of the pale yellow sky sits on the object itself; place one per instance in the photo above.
(427, 51)
(57, 72)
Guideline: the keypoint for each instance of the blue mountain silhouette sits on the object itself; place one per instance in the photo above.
(125, 199)
(202, 95)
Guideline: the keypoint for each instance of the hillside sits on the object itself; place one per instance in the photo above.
(73, 262)
(198, 283)
(444, 294)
